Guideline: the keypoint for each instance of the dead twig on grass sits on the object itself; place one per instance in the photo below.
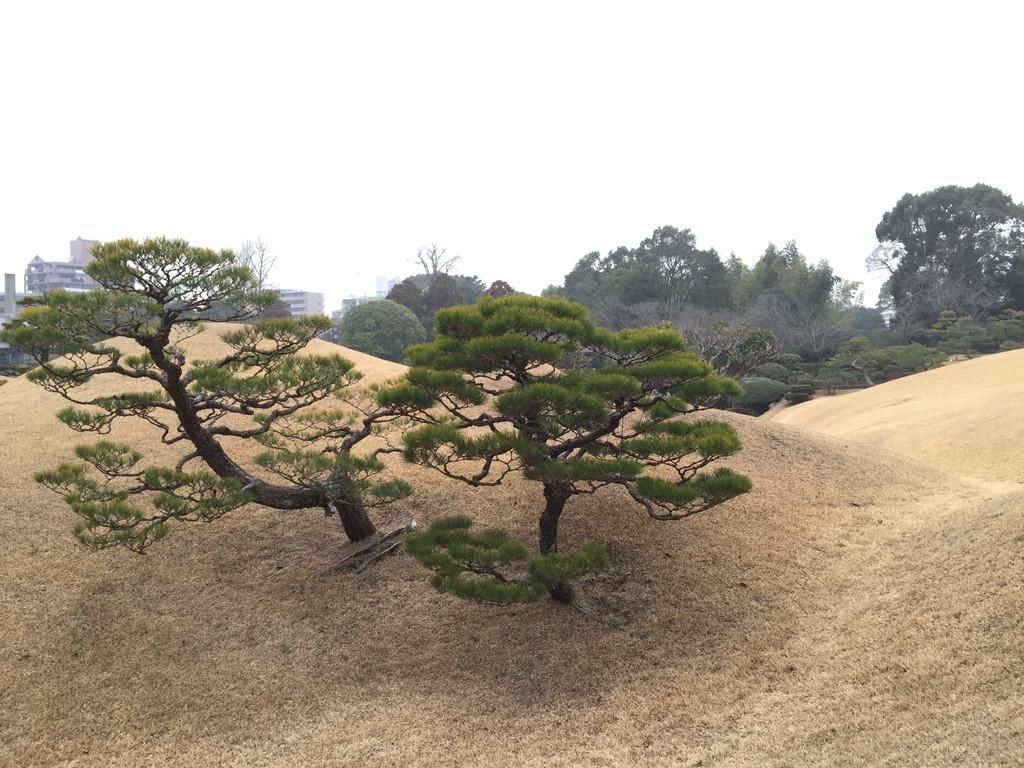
(377, 556)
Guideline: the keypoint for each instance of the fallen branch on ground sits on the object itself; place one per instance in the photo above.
(374, 545)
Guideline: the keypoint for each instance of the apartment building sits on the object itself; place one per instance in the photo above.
(41, 276)
(302, 303)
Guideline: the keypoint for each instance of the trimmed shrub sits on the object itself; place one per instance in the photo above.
(799, 393)
(381, 328)
(760, 392)
(772, 371)
(789, 360)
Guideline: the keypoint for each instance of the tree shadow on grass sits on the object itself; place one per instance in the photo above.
(233, 627)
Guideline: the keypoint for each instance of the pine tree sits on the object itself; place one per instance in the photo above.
(530, 385)
(153, 294)
(883, 363)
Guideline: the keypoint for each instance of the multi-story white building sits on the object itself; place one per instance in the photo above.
(385, 284)
(41, 276)
(302, 303)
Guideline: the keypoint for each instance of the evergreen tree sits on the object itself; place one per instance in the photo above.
(530, 385)
(499, 288)
(690, 275)
(962, 335)
(855, 355)
(875, 365)
(758, 394)
(585, 283)
(443, 292)
(786, 275)
(409, 295)
(425, 294)
(952, 248)
(666, 267)
(152, 294)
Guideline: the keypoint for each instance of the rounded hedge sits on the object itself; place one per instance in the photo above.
(381, 328)
(772, 371)
(800, 393)
(761, 390)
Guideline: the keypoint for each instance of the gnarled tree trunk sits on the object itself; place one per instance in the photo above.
(555, 496)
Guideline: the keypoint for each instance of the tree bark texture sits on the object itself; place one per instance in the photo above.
(354, 520)
(555, 496)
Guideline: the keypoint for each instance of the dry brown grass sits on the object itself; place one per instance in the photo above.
(964, 417)
(857, 608)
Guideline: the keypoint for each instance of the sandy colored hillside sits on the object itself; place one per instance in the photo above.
(967, 418)
(857, 608)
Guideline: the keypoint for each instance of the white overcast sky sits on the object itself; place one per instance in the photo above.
(520, 135)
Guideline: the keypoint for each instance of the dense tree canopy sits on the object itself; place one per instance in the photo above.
(955, 248)
(668, 279)
(786, 274)
(152, 295)
(425, 294)
(530, 385)
(666, 267)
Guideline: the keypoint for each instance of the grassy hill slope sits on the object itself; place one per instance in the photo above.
(855, 608)
(967, 418)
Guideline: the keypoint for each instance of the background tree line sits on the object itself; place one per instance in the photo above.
(668, 279)
(954, 259)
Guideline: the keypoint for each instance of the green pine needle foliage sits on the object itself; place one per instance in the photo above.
(475, 565)
(156, 293)
(521, 384)
(112, 516)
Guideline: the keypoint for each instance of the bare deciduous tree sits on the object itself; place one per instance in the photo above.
(732, 349)
(435, 260)
(255, 255)
(813, 332)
